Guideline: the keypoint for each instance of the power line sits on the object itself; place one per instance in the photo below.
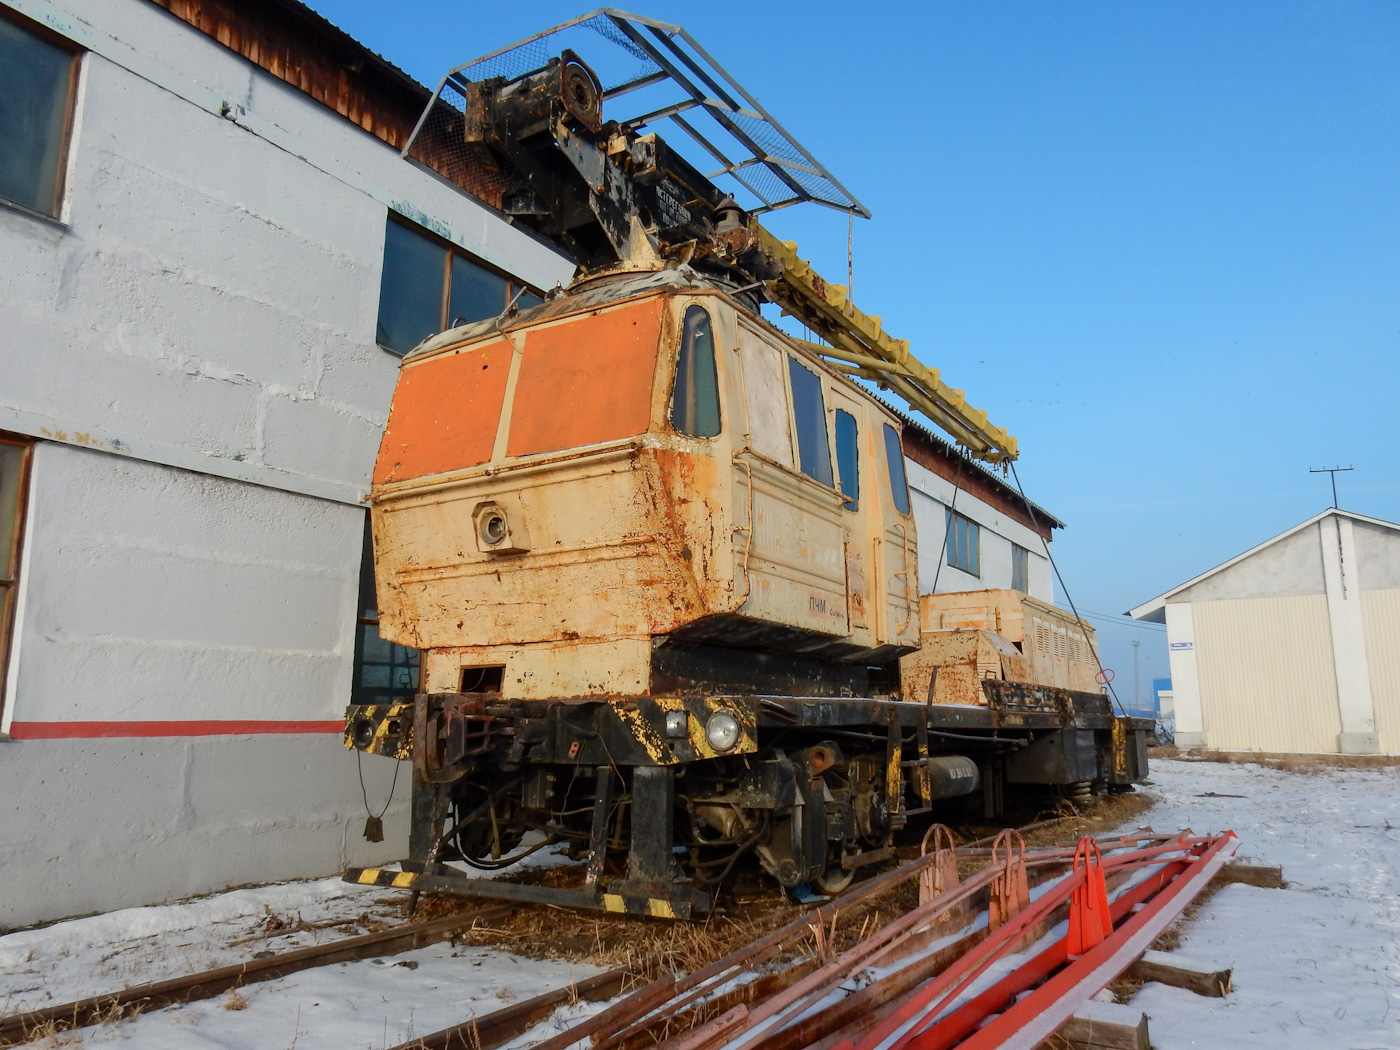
(1118, 621)
(1103, 676)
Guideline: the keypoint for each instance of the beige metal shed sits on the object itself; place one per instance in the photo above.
(1292, 646)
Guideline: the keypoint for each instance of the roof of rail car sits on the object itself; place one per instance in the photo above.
(589, 297)
(681, 279)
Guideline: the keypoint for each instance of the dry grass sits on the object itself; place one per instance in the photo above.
(645, 949)
(1289, 763)
(641, 948)
(1064, 827)
(50, 1034)
(115, 1012)
(1110, 812)
(235, 1001)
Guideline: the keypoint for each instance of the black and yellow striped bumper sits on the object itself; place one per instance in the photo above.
(381, 729)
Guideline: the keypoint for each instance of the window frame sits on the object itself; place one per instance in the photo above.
(1020, 567)
(514, 285)
(894, 458)
(690, 310)
(969, 545)
(60, 178)
(794, 361)
(9, 585)
(852, 499)
(362, 620)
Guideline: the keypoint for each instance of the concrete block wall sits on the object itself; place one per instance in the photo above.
(193, 347)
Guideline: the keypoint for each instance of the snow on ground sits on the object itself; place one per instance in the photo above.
(374, 1003)
(1316, 964)
(101, 953)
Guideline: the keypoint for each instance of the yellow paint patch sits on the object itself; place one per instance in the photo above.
(613, 902)
(648, 736)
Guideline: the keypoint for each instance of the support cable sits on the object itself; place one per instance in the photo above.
(1103, 674)
(851, 259)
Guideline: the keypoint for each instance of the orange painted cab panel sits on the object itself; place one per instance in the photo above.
(586, 381)
(445, 414)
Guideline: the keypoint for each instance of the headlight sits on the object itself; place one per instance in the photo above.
(677, 724)
(722, 731)
(492, 529)
(363, 735)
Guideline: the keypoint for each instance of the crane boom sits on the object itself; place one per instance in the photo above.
(614, 197)
(858, 345)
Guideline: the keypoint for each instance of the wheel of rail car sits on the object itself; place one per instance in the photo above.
(835, 878)
(477, 836)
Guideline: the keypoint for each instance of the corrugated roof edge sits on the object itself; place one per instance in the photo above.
(1035, 509)
(1153, 610)
(325, 25)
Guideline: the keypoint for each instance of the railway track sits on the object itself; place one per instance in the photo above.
(767, 969)
(17, 1028)
(770, 994)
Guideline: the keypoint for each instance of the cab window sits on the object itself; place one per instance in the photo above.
(848, 458)
(809, 415)
(894, 457)
(695, 397)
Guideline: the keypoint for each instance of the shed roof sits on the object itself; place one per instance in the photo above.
(1155, 611)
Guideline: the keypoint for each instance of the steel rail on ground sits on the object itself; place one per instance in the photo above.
(18, 1028)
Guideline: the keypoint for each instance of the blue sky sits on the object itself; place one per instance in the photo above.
(1159, 242)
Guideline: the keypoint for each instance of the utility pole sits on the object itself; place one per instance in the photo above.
(1137, 697)
(1333, 472)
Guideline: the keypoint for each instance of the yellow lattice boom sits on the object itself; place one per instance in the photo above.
(857, 345)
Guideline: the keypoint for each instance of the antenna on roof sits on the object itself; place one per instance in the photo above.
(1333, 472)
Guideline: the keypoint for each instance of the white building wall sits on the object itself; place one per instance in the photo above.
(931, 496)
(194, 347)
(1353, 676)
(1266, 673)
(160, 595)
(218, 284)
(1186, 688)
(1291, 647)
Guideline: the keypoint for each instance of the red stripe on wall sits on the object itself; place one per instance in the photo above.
(219, 727)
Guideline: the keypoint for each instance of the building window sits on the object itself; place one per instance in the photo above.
(430, 285)
(848, 458)
(695, 398)
(809, 413)
(37, 72)
(14, 484)
(1020, 568)
(894, 462)
(384, 671)
(964, 544)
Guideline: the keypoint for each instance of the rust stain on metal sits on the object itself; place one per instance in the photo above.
(972, 637)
